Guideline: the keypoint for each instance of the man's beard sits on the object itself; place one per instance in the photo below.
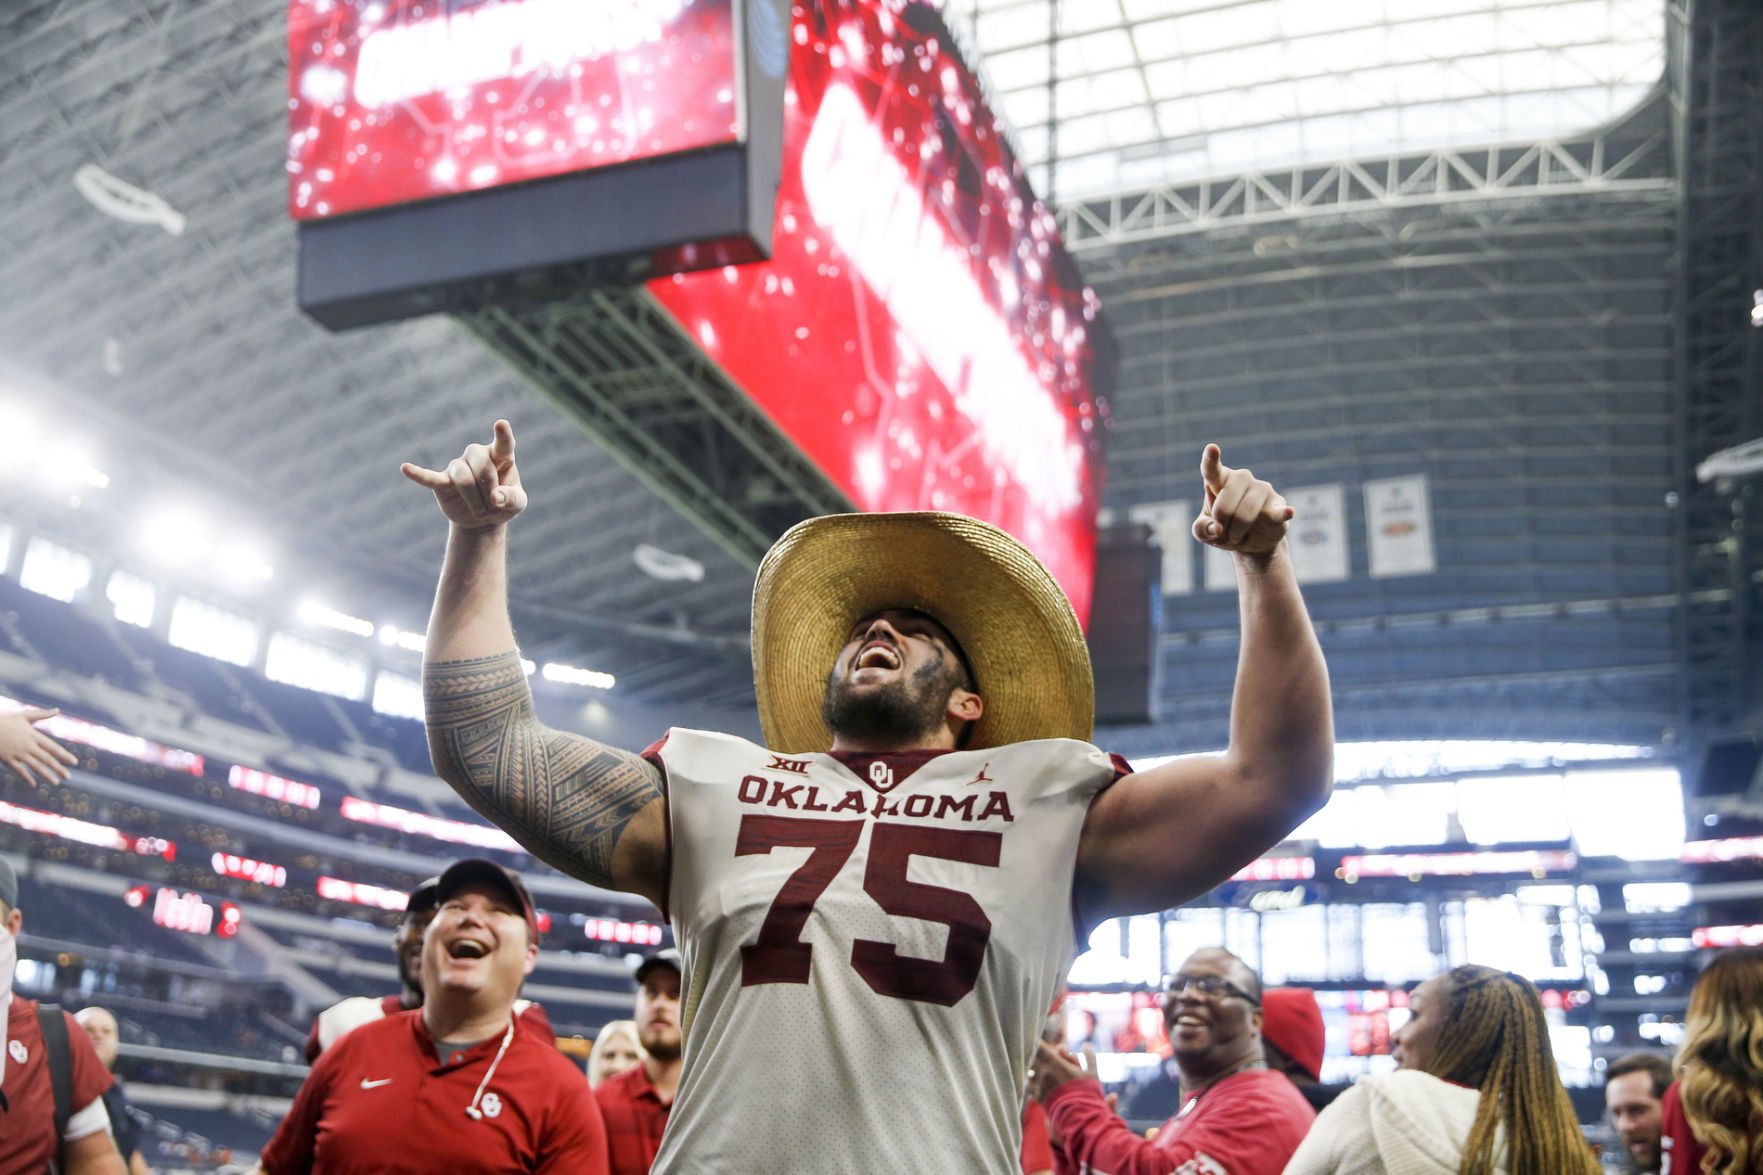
(410, 971)
(902, 711)
(661, 1050)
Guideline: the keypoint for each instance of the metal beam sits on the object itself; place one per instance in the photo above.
(1631, 156)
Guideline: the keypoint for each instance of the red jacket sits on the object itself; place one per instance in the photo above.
(1247, 1124)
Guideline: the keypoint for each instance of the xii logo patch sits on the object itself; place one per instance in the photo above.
(793, 766)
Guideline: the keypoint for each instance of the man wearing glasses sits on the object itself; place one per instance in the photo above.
(1235, 1116)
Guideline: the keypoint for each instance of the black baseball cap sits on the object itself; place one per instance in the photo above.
(668, 957)
(476, 870)
(422, 898)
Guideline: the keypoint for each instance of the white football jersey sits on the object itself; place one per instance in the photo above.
(869, 950)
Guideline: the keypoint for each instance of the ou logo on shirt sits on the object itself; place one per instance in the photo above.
(491, 1105)
(18, 1051)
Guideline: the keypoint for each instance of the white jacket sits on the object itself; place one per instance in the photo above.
(1401, 1123)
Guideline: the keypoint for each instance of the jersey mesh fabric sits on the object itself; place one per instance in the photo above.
(885, 1021)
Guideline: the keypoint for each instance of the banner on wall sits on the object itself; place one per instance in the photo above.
(1172, 523)
(1398, 526)
(1318, 533)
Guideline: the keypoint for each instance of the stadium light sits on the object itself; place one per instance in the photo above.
(571, 675)
(1737, 461)
(173, 535)
(69, 467)
(398, 638)
(244, 563)
(314, 613)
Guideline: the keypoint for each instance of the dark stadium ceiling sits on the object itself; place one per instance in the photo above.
(1497, 321)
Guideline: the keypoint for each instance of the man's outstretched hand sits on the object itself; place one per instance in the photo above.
(480, 488)
(29, 752)
(1243, 514)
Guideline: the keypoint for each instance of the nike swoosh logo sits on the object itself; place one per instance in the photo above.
(366, 1084)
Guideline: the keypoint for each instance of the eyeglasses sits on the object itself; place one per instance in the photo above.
(1210, 986)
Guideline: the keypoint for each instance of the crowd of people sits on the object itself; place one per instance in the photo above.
(877, 905)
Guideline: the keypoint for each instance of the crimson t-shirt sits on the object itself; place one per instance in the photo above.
(27, 1129)
(379, 1101)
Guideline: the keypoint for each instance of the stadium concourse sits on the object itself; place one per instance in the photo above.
(1477, 285)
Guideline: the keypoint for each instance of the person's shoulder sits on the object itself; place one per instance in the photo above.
(1418, 1095)
(681, 740)
(377, 1033)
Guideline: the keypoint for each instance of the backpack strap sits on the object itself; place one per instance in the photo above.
(60, 1060)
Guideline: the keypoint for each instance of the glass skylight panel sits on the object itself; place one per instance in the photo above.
(1094, 53)
(1275, 83)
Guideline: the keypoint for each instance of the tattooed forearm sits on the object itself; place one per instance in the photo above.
(567, 798)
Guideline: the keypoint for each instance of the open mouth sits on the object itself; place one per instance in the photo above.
(467, 948)
(877, 655)
(1189, 1022)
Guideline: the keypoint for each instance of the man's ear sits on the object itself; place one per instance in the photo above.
(532, 958)
(965, 706)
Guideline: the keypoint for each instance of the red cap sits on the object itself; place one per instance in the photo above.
(1291, 1021)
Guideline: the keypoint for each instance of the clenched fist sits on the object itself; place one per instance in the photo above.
(480, 488)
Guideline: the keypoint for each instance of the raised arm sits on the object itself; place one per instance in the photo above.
(1159, 837)
(592, 811)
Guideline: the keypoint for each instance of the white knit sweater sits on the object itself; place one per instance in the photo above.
(1401, 1123)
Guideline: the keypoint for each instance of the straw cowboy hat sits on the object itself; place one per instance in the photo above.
(1006, 611)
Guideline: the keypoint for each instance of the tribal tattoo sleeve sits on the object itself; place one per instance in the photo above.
(567, 798)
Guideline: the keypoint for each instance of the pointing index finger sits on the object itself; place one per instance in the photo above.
(502, 448)
(1212, 468)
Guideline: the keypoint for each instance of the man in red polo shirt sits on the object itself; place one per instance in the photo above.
(27, 1097)
(635, 1102)
(462, 1084)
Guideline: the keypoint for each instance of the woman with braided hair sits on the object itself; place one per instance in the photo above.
(1475, 1092)
(1713, 1113)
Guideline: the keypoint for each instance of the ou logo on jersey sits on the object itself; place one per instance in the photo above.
(881, 775)
(491, 1105)
(17, 1049)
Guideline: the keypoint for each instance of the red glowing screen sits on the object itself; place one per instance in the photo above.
(392, 101)
(920, 331)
